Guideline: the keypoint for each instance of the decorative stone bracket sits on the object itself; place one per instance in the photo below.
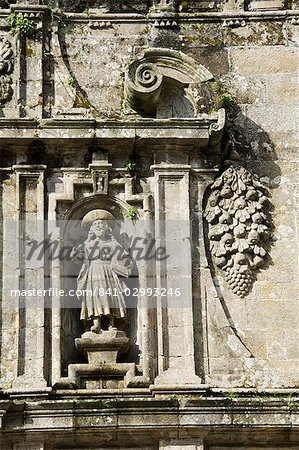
(146, 76)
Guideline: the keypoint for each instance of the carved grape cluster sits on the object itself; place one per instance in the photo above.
(239, 226)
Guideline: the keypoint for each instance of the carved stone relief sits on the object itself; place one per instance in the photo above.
(162, 73)
(239, 227)
(6, 66)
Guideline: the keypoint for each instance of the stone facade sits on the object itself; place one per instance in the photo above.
(180, 121)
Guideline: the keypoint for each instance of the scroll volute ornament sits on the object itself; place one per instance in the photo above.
(238, 227)
(148, 73)
(144, 87)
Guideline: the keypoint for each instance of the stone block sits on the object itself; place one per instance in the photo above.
(293, 34)
(215, 59)
(282, 89)
(245, 89)
(102, 348)
(177, 342)
(264, 60)
(276, 344)
(258, 321)
(291, 343)
(201, 35)
(256, 342)
(273, 118)
(256, 34)
(181, 445)
(253, 447)
(270, 291)
(266, 5)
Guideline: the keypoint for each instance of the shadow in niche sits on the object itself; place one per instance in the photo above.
(132, 355)
(173, 101)
(246, 143)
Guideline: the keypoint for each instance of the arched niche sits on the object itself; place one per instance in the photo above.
(72, 234)
(164, 83)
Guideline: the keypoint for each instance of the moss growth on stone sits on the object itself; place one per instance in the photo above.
(29, 51)
(70, 81)
(131, 213)
(20, 24)
(227, 100)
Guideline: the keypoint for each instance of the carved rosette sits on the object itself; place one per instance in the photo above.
(6, 66)
(239, 227)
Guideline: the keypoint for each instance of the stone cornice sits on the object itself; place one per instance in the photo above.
(183, 17)
(172, 411)
(196, 130)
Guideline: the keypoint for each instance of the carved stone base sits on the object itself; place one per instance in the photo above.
(102, 348)
(102, 371)
(29, 383)
(105, 376)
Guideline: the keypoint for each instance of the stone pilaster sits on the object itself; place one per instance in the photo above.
(174, 312)
(31, 304)
(31, 50)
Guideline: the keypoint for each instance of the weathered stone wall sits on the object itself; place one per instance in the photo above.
(68, 126)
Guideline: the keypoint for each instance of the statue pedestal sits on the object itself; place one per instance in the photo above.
(102, 348)
(102, 370)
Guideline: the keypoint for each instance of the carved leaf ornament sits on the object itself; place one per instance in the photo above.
(239, 227)
(6, 65)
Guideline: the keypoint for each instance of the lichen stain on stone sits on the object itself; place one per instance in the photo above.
(29, 51)
(202, 34)
(261, 33)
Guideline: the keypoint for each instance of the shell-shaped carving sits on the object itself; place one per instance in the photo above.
(239, 226)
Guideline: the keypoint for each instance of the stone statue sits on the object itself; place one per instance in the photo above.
(98, 284)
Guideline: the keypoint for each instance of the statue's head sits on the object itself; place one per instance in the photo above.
(98, 222)
(100, 229)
